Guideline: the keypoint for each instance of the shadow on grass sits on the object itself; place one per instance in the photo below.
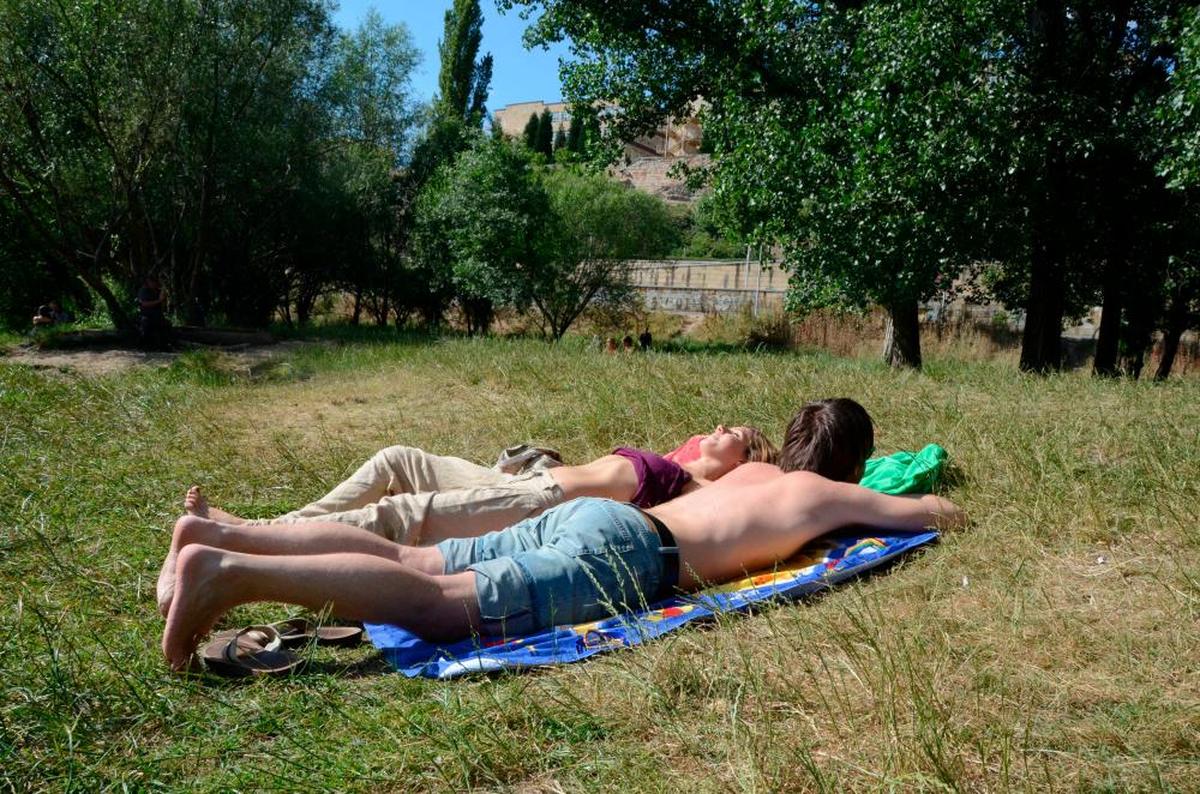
(953, 476)
(370, 665)
(345, 333)
(374, 664)
(717, 347)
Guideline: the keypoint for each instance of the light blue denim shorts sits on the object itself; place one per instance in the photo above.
(580, 561)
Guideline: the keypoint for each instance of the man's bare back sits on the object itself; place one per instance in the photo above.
(757, 516)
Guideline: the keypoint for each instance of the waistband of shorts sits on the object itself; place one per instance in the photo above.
(669, 549)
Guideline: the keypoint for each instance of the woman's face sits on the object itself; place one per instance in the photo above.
(727, 445)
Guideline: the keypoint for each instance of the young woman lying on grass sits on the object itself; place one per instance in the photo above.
(407, 495)
(579, 561)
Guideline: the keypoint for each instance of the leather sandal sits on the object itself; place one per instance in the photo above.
(300, 631)
(254, 650)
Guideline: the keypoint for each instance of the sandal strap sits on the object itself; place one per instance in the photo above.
(269, 634)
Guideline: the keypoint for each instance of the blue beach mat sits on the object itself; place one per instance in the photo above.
(822, 563)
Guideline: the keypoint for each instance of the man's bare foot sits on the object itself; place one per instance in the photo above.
(196, 503)
(198, 602)
(165, 589)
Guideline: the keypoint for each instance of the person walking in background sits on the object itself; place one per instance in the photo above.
(153, 329)
(645, 339)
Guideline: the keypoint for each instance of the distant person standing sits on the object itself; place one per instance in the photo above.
(627, 343)
(645, 339)
(153, 330)
(610, 345)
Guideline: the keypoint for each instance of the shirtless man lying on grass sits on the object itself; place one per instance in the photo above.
(580, 561)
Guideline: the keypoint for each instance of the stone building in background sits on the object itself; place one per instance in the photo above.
(648, 158)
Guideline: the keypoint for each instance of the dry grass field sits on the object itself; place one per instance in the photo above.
(1052, 645)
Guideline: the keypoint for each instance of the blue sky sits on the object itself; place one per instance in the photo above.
(518, 74)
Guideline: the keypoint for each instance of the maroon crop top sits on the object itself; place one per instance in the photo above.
(659, 480)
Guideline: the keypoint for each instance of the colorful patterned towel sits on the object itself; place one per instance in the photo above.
(824, 562)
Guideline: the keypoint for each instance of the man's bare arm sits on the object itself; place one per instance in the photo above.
(858, 505)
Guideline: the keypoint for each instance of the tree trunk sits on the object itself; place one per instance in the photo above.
(1138, 334)
(120, 317)
(1041, 342)
(1176, 323)
(431, 314)
(357, 316)
(1107, 342)
(902, 335)
(384, 310)
(479, 315)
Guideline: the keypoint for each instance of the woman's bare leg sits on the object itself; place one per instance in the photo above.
(309, 537)
(366, 587)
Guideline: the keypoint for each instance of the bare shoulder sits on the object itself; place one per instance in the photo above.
(751, 474)
(810, 483)
(803, 489)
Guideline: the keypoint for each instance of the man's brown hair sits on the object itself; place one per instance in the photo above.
(833, 438)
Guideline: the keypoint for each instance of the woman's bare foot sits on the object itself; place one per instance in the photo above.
(199, 601)
(196, 503)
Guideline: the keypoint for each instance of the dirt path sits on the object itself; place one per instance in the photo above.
(95, 363)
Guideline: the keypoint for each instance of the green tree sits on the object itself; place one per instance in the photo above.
(160, 141)
(80, 149)
(575, 134)
(947, 131)
(530, 135)
(457, 116)
(483, 215)
(560, 140)
(545, 138)
(597, 226)
(1082, 82)
(1180, 165)
(375, 117)
(840, 132)
(463, 81)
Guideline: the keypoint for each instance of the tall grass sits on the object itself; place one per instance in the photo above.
(861, 336)
(1050, 646)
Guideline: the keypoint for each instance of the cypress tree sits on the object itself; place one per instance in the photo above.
(575, 134)
(463, 82)
(545, 139)
(560, 139)
(530, 136)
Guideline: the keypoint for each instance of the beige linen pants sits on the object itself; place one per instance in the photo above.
(410, 496)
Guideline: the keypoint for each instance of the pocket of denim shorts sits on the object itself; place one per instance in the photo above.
(595, 541)
(617, 582)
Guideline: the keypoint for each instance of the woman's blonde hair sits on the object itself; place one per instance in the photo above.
(759, 448)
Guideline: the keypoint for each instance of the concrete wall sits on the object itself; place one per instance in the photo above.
(700, 285)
